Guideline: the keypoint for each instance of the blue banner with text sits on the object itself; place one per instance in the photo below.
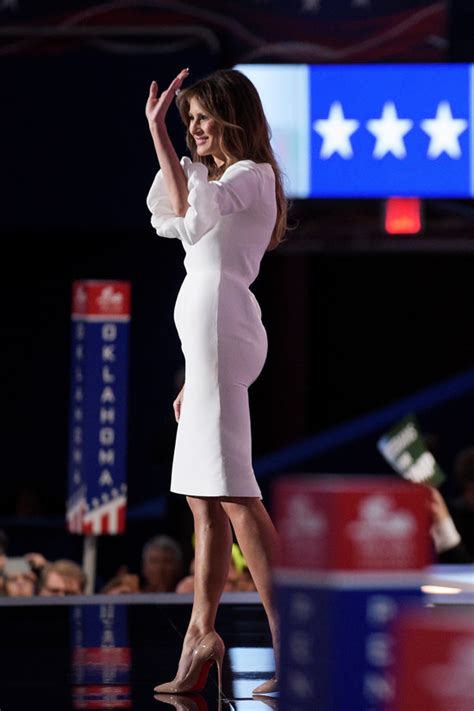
(98, 407)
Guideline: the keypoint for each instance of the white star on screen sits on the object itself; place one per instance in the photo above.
(444, 132)
(336, 131)
(389, 130)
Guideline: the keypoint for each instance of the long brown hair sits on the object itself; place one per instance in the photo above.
(233, 102)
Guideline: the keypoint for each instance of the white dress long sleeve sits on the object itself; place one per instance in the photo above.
(225, 233)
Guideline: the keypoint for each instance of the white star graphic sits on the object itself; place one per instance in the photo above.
(336, 131)
(444, 132)
(105, 498)
(389, 131)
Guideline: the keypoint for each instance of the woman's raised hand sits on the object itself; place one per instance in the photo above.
(157, 105)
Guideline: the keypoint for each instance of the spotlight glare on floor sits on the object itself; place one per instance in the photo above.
(440, 590)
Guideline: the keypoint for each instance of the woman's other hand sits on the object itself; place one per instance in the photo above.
(177, 404)
(157, 105)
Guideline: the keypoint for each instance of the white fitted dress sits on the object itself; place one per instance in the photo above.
(225, 233)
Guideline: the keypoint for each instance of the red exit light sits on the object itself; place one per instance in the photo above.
(403, 216)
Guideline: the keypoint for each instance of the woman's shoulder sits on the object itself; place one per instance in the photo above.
(199, 171)
(245, 165)
(248, 163)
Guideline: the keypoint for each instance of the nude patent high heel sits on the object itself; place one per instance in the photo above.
(268, 687)
(210, 650)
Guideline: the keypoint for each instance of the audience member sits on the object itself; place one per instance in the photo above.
(462, 508)
(122, 584)
(51, 582)
(3, 547)
(162, 564)
(37, 562)
(3, 559)
(74, 577)
(449, 546)
(19, 579)
(186, 584)
(238, 578)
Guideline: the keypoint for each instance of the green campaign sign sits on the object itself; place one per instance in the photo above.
(405, 449)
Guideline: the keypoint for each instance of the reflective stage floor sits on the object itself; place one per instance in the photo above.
(108, 652)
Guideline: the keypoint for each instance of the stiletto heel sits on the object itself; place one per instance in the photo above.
(210, 650)
(219, 675)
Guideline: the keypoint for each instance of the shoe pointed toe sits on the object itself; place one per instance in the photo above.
(168, 688)
(268, 687)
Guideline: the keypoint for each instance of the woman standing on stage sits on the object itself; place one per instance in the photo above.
(227, 206)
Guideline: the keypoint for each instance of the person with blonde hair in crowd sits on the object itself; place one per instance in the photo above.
(51, 582)
(74, 577)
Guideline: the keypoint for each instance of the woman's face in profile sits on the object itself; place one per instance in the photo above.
(205, 132)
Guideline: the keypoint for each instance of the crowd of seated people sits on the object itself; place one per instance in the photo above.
(32, 574)
(162, 570)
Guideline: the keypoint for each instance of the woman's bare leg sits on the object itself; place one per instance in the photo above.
(213, 546)
(258, 540)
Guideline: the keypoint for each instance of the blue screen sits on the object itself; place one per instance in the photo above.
(372, 130)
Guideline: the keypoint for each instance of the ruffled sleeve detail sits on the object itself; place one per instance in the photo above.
(208, 200)
(203, 212)
(163, 217)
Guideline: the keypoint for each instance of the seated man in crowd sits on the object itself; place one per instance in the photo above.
(51, 581)
(162, 564)
(73, 575)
